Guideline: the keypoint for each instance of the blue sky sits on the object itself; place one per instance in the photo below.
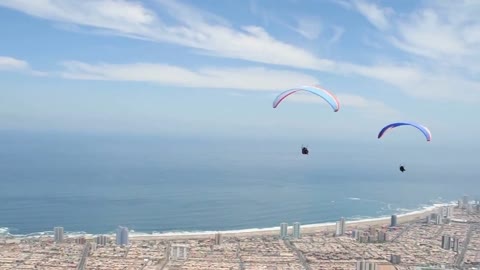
(213, 68)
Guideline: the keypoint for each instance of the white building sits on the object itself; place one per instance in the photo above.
(283, 230)
(363, 265)
(296, 230)
(178, 252)
(340, 228)
(58, 234)
(218, 239)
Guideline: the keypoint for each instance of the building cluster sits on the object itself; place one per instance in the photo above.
(450, 243)
(295, 230)
(453, 242)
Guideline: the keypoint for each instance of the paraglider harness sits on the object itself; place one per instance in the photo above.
(304, 150)
(402, 168)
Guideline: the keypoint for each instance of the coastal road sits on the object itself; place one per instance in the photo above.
(402, 232)
(461, 257)
(299, 254)
(239, 257)
(83, 260)
(167, 258)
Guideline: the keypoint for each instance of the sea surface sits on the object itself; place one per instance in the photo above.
(93, 183)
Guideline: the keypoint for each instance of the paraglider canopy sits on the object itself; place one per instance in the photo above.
(426, 132)
(331, 99)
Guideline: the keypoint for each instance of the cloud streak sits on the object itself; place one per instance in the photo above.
(212, 35)
(250, 78)
(12, 64)
(9, 63)
(350, 102)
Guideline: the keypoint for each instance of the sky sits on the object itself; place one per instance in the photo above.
(213, 68)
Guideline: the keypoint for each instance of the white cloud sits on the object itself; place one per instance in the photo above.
(374, 14)
(426, 33)
(337, 34)
(9, 63)
(212, 35)
(12, 64)
(310, 28)
(349, 102)
(252, 78)
(195, 28)
(377, 16)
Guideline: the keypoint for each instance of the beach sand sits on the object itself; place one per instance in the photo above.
(306, 229)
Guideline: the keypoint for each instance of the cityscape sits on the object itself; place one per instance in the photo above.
(446, 237)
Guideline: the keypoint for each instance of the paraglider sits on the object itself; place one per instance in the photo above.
(425, 131)
(316, 90)
(326, 95)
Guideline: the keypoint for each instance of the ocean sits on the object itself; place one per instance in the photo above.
(94, 183)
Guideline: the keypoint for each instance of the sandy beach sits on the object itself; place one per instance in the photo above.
(308, 228)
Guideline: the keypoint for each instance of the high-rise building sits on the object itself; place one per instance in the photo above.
(357, 234)
(395, 259)
(363, 265)
(455, 244)
(449, 212)
(296, 230)
(283, 230)
(101, 240)
(340, 228)
(438, 219)
(360, 265)
(80, 240)
(382, 236)
(428, 219)
(218, 239)
(393, 221)
(122, 236)
(178, 252)
(465, 201)
(58, 234)
(446, 242)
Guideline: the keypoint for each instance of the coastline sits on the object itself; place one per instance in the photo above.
(306, 228)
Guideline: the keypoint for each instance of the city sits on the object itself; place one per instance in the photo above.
(446, 237)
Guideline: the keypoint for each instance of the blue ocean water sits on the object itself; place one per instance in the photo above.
(94, 183)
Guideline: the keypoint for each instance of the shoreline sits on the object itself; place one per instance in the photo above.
(306, 228)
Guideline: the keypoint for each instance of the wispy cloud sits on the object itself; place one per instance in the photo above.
(446, 37)
(309, 27)
(9, 63)
(252, 78)
(350, 102)
(194, 28)
(210, 34)
(12, 64)
(337, 34)
(374, 14)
